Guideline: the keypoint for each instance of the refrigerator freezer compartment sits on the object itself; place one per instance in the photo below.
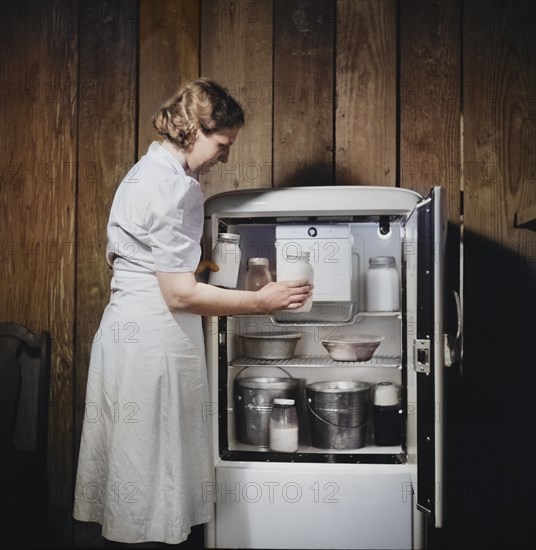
(319, 313)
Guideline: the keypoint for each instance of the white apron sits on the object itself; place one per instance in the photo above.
(145, 455)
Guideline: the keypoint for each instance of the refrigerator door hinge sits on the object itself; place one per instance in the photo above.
(422, 355)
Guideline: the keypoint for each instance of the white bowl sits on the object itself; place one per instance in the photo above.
(352, 348)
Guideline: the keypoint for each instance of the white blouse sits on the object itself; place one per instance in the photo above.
(156, 219)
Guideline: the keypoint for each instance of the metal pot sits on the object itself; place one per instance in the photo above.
(271, 345)
(254, 398)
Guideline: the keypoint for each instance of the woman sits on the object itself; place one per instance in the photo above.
(145, 449)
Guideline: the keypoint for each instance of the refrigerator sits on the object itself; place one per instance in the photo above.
(331, 493)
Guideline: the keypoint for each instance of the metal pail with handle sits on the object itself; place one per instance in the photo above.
(338, 414)
(253, 397)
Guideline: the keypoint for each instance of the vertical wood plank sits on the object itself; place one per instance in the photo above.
(38, 100)
(366, 74)
(303, 92)
(499, 102)
(430, 97)
(236, 51)
(169, 56)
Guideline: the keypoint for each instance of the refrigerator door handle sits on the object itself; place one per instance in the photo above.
(452, 345)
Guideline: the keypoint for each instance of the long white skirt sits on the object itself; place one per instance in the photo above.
(145, 458)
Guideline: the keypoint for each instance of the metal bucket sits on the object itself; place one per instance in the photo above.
(338, 413)
(253, 405)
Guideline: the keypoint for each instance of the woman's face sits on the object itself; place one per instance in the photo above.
(207, 151)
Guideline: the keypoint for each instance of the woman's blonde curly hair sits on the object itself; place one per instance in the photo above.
(199, 105)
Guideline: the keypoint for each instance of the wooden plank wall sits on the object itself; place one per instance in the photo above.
(381, 92)
(38, 144)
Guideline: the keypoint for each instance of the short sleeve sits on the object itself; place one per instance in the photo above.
(175, 224)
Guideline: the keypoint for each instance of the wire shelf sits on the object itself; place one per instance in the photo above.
(316, 361)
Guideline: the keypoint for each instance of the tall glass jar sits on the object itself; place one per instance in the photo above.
(283, 426)
(226, 255)
(383, 284)
(257, 274)
(296, 266)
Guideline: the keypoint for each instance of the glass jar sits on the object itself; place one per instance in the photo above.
(296, 266)
(226, 255)
(383, 285)
(283, 426)
(257, 274)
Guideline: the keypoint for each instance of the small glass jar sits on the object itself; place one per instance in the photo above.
(283, 426)
(226, 255)
(296, 266)
(257, 274)
(383, 284)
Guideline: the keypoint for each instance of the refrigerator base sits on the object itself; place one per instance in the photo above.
(329, 506)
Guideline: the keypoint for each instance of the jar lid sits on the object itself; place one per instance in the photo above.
(230, 237)
(382, 261)
(284, 402)
(386, 394)
(258, 261)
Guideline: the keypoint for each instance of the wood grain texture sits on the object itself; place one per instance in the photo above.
(303, 92)
(500, 114)
(106, 136)
(38, 72)
(169, 56)
(236, 50)
(430, 98)
(366, 73)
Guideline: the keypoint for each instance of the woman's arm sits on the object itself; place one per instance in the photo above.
(181, 291)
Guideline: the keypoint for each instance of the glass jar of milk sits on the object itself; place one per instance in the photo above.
(283, 426)
(226, 255)
(296, 266)
(383, 284)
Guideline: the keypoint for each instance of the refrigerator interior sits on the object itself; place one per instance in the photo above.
(327, 319)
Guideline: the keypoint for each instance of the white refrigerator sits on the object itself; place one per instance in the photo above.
(328, 494)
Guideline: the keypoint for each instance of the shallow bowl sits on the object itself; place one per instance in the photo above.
(352, 348)
(270, 345)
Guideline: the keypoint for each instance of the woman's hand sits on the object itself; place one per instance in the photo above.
(284, 295)
(204, 265)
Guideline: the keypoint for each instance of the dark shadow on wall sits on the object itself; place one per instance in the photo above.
(491, 412)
